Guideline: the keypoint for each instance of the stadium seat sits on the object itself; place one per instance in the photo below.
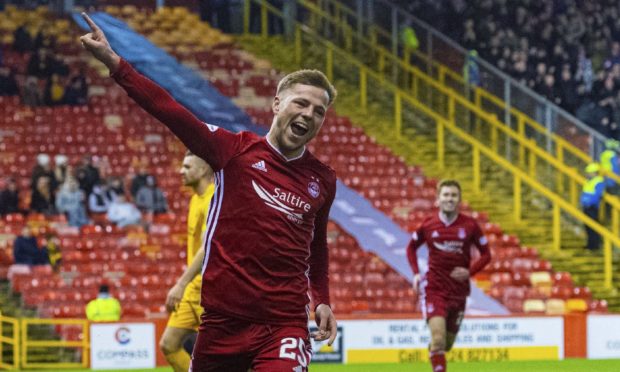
(561, 292)
(576, 305)
(541, 279)
(583, 293)
(597, 306)
(555, 306)
(534, 306)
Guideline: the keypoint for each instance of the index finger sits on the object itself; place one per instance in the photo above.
(93, 25)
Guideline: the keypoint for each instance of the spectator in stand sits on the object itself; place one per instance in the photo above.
(54, 91)
(584, 35)
(52, 250)
(31, 94)
(115, 188)
(471, 70)
(123, 213)
(139, 180)
(9, 198)
(41, 64)
(26, 250)
(22, 41)
(76, 92)
(8, 83)
(98, 201)
(43, 169)
(87, 174)
(42, 200)
(568, 90)
(61, 168)
(70, 201)
(216, 13)
(150, 198)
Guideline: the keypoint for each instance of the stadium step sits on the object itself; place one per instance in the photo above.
(417, 145)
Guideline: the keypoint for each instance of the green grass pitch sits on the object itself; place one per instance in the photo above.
(568, 365)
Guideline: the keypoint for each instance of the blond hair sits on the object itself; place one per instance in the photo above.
(308, 77)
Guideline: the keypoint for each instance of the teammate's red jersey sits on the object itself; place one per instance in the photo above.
(266, 228)
(449, 246)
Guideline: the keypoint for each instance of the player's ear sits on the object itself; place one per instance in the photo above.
(275, 106)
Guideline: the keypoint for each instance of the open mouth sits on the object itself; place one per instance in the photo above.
(299, 128)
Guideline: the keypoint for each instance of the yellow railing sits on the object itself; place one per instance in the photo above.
(447, 103)
(27, 344)
(445, 75)
(525, 174)
(12, 340)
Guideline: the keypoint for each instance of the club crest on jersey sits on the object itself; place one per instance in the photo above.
(435, 234)
(461, 234)
(313, 189)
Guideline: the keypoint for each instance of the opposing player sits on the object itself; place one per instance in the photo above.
(266, 244)
(449, 236)
(183, 301)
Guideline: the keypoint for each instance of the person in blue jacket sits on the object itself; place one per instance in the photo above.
(591, 196)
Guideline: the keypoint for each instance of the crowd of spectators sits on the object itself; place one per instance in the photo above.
(566, 50)
(82, 193)
(48, 80)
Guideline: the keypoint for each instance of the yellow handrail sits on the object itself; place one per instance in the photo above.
(517, 136)
(26, 343)
(478, 148)
(560, 143)
(13, 340)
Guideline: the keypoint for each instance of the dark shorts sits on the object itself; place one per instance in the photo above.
(233, 345)
(452, 309)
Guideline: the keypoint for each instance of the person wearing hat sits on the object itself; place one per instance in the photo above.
(591, 196)
(609, 164)
(104, 308)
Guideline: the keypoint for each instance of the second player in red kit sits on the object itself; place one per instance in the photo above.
(449, 236)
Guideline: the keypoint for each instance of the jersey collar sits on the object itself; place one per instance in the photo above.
(282, 155)
(443, 219)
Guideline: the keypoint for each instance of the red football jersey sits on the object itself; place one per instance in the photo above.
(449, 246)
(266, 237)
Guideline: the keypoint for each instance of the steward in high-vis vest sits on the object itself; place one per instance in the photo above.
(609, 164)
(591, 196)
(104, 308)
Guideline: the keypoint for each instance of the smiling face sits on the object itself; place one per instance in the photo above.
(448, 199)
(299, 114)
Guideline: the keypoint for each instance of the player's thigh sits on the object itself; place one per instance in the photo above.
(435, 306)
(437, 326)
(187, 315)
(223, 344)
(172, 339)
(221, 363)
(286, 349)
(454, 317)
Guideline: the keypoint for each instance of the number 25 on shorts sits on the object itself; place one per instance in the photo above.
(295, 349)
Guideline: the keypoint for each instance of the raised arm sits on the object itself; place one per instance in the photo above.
(150, 96)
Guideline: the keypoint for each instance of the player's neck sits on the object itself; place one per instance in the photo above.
(287, 154)
(202, 186)
(448, 218)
